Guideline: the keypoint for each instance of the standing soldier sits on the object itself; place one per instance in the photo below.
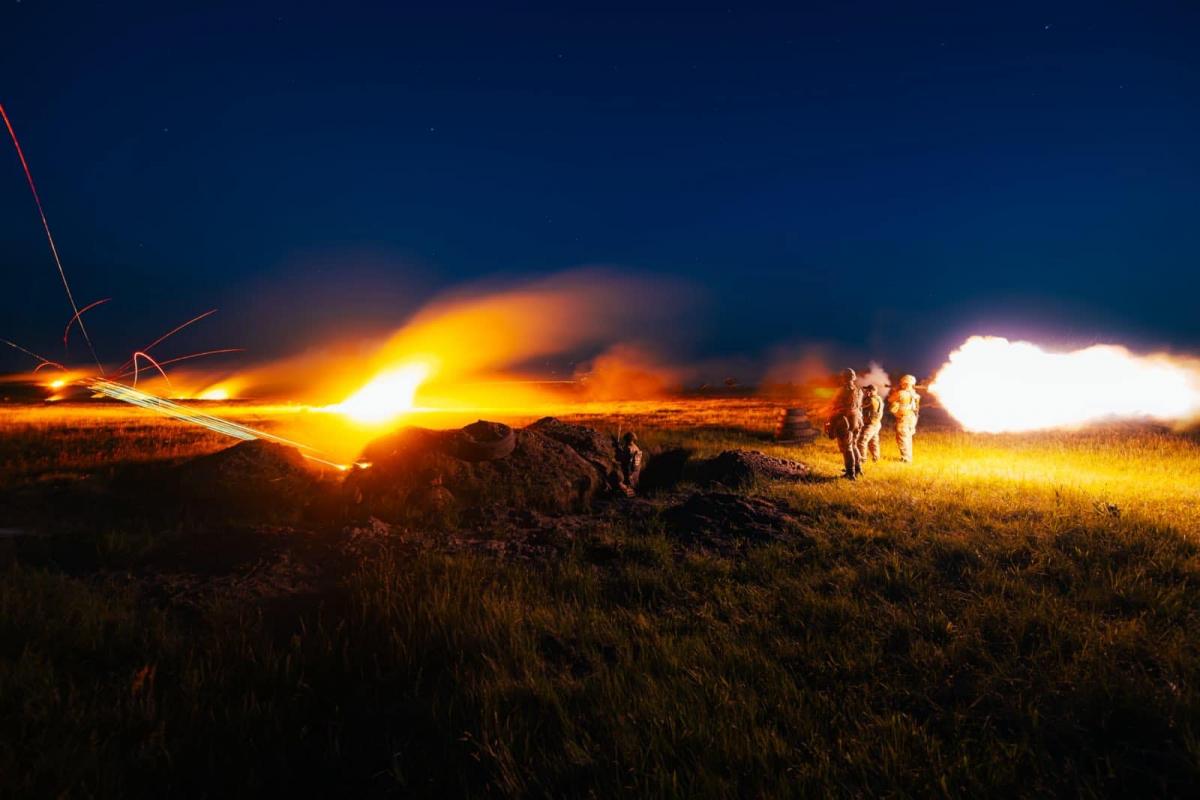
(905, 405)
(845, 421)
(872, 414)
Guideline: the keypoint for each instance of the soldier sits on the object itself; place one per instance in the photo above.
(629, 456)
(905, 405)
(872, 412)
(845, 421)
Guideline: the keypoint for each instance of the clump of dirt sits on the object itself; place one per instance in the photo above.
(598, 449)
(252, 480)
(481, 441)
(733, 469)
(723, 519)
(742, 469)
(421, 473)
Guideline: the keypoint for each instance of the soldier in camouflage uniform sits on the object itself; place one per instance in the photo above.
(905, 405)
(629, 456)
(845, 422)
(872, 414)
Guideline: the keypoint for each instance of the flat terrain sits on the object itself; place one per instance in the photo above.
(1015, 614)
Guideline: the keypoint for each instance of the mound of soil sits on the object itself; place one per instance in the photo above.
(742, 469)
(733, 469)
(596, 448)
(720, 518)
(481, 441)
(420, 473)
(255, 479)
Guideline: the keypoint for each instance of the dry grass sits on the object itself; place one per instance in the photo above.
(1010, 615)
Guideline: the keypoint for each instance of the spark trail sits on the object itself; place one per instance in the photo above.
(234, 430)
(44, 361)
(160, 405)
(165, 336)
(153, 363)
(49, 236)
(188, 357)
(78, 314)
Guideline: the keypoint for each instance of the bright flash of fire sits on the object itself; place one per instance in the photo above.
(993, 385)
(386, 396)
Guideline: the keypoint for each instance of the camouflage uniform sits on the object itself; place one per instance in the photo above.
(845, 422)
(629, 456)
(872, 412)
(905, 405)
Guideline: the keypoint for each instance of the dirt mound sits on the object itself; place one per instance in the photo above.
(255, 479)
(720, 519)
(734, 469)
(420, 473)
(596, 448)
(742, 469)
(481, 441)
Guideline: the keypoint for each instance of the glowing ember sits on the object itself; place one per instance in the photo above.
(991, 384)
(387, 396)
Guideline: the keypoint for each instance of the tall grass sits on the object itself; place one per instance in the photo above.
(1008, 615)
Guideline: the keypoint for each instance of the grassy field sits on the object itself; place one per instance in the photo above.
(1008, 615)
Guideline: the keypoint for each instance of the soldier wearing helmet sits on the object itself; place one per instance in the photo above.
(905, 405)
(629, 457)
(845, 422)
(872, 413)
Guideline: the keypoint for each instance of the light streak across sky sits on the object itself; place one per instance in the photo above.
(49, 236)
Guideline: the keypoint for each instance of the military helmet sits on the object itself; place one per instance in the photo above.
(629, 437)
(869, 389)
(908, 381)
(848, 374)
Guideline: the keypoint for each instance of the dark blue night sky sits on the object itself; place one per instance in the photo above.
(884, 178)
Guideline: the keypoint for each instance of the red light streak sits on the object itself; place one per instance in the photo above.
(49, 237)
(78, 314)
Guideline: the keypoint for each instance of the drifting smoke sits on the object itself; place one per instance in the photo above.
(993, 385)
(798, 366)
(629, 372)
(470, 345)
(875, 376)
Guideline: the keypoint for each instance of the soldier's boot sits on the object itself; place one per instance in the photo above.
(848, 463)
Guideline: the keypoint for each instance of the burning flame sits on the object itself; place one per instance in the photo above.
(993, 385)
(387, 396)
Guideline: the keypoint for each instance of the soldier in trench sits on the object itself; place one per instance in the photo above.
(629, 457)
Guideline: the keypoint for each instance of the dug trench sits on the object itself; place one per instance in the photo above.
(255, 524)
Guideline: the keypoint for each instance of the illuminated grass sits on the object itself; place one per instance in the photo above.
(1010, 615)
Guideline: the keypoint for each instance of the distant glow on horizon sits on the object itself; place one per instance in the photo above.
(993, 385)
